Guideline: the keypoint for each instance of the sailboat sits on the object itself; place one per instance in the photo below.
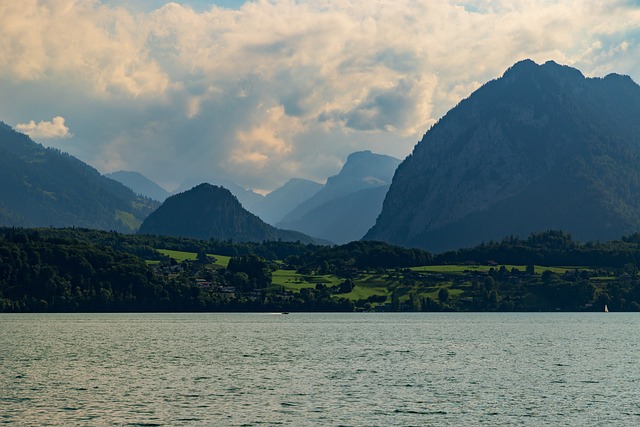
(606, 309)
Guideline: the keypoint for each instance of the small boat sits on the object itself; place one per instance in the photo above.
(606, 309)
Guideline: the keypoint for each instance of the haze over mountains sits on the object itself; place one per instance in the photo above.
(247, 198)
(347, 206)
(42, 187)
(211, 212)
(45, 187)
(540, 148)
(339, 212)
(278, 203)
(140, 184)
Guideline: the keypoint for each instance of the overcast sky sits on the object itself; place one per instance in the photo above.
(262, 91)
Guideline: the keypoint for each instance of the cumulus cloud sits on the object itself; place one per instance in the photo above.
(260, 93)
(45, 130)
(78, 42)
(271, 138)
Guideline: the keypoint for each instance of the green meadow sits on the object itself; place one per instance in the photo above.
(378, 287)
(180, 256)
(462, 268)
(293, 281)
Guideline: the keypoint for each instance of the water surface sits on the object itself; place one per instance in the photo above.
(320, 369)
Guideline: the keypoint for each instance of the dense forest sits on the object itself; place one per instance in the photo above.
(81, 270)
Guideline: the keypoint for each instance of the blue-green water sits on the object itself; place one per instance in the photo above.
(320, 369)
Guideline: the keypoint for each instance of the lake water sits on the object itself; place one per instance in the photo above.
(320, 369)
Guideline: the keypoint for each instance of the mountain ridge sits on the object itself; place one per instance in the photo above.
(347, 206)
(212, 212)
(276, 204)
(529, 151)
(247, 198)
(140, 184)
(45, 187)
(362, 169)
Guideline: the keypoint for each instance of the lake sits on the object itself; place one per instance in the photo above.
(374, 369)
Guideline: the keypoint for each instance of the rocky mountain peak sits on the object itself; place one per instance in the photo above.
(541, 147)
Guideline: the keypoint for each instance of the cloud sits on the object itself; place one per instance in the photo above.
(259, 93)
(270, 138)
(86, 43)
(45, 130)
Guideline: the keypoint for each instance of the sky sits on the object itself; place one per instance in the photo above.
(260, 91)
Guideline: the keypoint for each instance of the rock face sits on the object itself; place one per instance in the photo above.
(346, 207)
(42, 187)
(210, 212)
(540, 148)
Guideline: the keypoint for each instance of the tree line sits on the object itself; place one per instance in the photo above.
(72, 270)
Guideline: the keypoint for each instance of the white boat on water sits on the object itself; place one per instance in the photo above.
(606, 309)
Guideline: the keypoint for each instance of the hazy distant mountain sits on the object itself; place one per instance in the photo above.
(247, 198)
(140, 184)
(346, 218)
(331, 212)
(43, 187)
(363, 169)
(275, 205)
(212, 212)
(540, 148)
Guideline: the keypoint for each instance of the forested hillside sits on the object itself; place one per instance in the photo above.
(44, 187)
(72, 270)
(210, 212)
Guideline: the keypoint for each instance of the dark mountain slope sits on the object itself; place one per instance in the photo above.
(540, 148)
(247, 198)
(45, 187)
(211, 212)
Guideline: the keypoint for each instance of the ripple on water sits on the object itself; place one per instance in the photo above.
(319, 369)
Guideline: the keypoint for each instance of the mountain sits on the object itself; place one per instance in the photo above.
(541, 147)
(342, 209)
(275, 205)
(346, 218)
(140, 184)
(44, 187)
(247, 198)
(363, 169)
(211, 212)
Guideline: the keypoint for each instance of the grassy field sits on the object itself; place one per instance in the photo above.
(461, 269)
(361, 291)
(128, 219)
(180, 256)
(290, 280)
(383, 283)
(221, 260)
